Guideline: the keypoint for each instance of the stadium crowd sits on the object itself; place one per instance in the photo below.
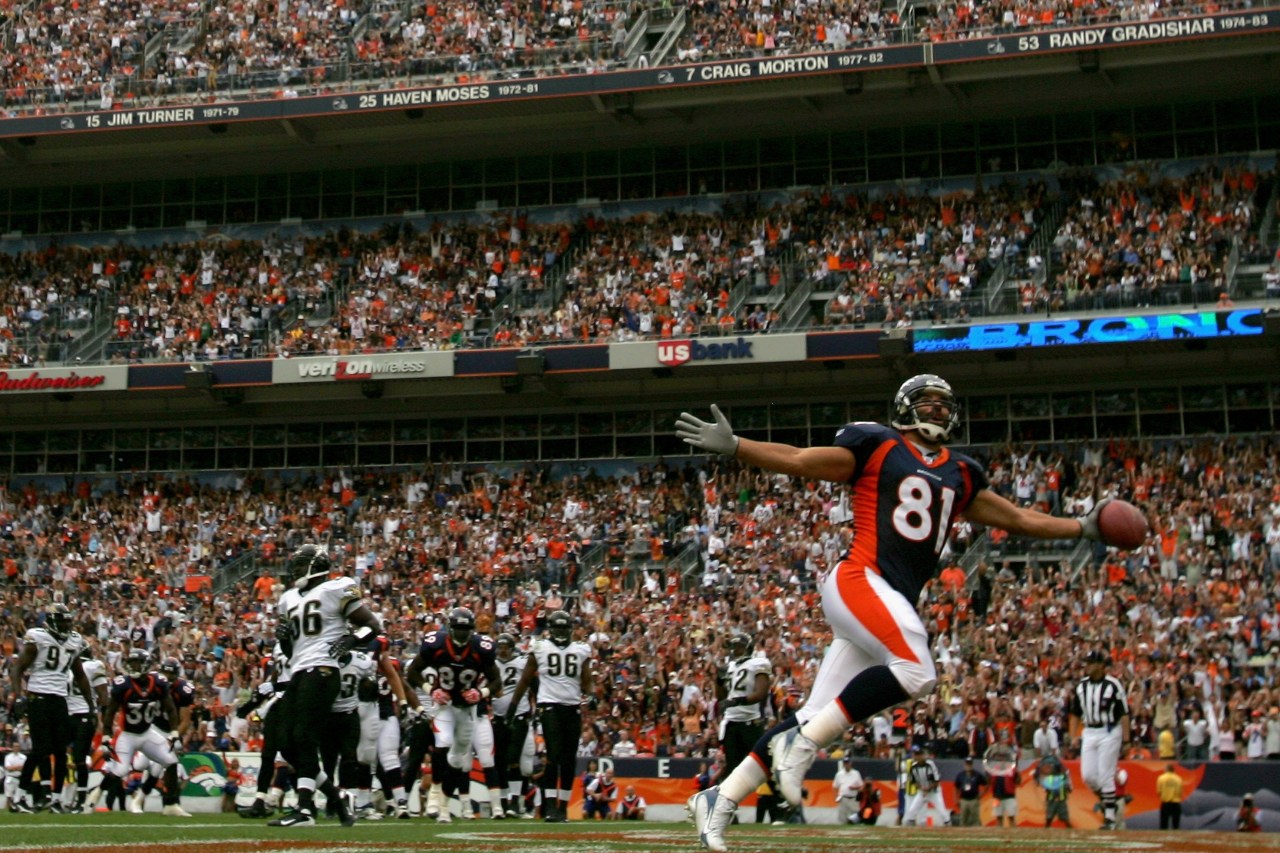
(1190, 617)
(887, 257)
(66, 58)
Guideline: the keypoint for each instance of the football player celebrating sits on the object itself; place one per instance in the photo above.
(320, 621)
(84, 725)
(907, 490)
(142, 696)
(512, 741)
(50, 653)
(563, 669)
(466, 675)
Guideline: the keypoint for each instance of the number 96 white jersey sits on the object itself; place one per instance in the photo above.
(560, 671)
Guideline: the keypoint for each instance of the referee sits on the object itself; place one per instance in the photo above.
(1100, 727)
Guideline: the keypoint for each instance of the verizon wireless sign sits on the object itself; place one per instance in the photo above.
(60, 380)
(360, 368)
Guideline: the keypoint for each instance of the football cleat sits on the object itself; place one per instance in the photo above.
(342, 810)
(257, 810)
(793, 755)
(444, 817)
(137, 801)
(402, 810)
(368, 812)
(297, 817)
(175, 810)
(21, 807)
(496, 811)
(711, 814)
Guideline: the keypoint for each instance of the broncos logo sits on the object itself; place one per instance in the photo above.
(206, 774)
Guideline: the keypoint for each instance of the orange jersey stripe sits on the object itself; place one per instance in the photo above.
(863, 602)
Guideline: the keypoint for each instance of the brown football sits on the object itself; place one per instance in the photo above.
(1122, 524)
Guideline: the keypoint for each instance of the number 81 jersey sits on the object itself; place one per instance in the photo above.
(560, 671)
(904, 504)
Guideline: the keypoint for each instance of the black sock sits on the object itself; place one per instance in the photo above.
(871, 690)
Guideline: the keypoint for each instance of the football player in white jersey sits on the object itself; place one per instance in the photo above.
(340, 750)
(84, 724)
(563, 669)
(49, 653)
(319, 621)
(742, 692)
(513, 741)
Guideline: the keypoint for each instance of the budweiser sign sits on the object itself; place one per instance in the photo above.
(22, 381)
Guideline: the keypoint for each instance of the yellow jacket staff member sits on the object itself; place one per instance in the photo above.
(1169, 789)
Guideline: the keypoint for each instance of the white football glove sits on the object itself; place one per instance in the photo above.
(1089, 523)
(715, 437)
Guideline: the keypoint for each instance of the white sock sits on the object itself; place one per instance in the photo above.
(827, 725)
(744, 780)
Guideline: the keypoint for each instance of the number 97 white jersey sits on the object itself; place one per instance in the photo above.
(560, 671)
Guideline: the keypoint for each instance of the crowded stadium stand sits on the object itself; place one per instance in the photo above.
(429, 284)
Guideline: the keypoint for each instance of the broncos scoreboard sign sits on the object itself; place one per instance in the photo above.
(1117, 329)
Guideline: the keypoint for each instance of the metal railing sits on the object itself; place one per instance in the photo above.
(235, 571)
(794, 313)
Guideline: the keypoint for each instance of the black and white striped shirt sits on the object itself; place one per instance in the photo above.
(1100, 703)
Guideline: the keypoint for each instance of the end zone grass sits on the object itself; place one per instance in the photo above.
(151, 833)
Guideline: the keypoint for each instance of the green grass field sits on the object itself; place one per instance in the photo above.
(107, 833)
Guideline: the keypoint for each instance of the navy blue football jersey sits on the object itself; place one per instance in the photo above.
(904, 506)
(141, 699)
(458, 669)
(183, 693)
